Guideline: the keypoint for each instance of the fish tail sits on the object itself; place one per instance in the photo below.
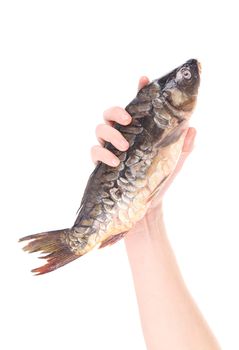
(54, 246)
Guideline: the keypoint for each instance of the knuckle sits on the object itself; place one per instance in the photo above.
(105, 113)
(119, 111)
(98, 128)
(116, 113)
(116, 108)
(94, 148)
(108, 112)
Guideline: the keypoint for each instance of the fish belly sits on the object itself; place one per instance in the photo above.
(127, 214)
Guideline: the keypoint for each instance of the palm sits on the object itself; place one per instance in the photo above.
(154, 209)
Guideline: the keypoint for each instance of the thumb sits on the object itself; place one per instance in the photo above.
(189, 140)
(142, 82)
(187, 148)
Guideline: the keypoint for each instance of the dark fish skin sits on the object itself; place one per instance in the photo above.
(115, 198)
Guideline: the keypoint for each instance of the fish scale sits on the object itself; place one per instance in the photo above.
(116, 198)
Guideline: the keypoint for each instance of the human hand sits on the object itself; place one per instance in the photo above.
(106, 132)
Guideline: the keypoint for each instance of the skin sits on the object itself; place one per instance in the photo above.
(169, 316)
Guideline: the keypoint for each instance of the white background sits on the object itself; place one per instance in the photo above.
(61, 64)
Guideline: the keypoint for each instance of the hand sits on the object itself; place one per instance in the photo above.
(106, 132)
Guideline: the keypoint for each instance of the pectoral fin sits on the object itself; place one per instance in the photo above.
(156, 190)
(172, 137)
(112, 239)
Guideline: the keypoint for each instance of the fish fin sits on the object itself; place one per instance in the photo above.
(156, 190)
(172, 137)
(56, 251)
(112, 239)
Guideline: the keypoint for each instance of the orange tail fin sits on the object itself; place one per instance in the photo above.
(56, 251)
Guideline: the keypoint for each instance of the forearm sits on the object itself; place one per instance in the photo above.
(170, 318)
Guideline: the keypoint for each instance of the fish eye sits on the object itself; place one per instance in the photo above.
(186, 74)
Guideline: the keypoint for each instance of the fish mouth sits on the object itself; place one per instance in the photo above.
(199, 67)
(195, 65)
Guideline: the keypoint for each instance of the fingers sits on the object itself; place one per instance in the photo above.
(142, 82)
(108, 133)
(187, 148)
(98, 153)
(189, 140)
(118, 115)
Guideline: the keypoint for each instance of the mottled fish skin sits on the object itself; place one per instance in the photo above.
(115, 198)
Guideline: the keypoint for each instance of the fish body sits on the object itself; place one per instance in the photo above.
(115, 198)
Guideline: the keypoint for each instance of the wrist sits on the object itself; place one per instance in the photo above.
(150, 227)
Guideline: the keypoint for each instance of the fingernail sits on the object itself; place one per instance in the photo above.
(125, 117)
(115, 162)
(123, 144)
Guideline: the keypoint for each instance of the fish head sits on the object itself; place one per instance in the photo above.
(180, 87)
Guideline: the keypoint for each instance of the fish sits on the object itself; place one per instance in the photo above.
(116, 198)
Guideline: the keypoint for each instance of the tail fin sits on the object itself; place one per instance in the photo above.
(57, 252)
